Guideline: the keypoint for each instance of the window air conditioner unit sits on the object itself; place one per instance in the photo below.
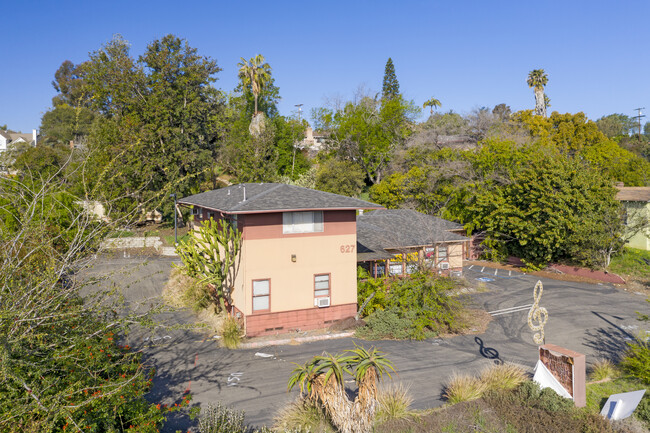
(323, 302)
(444, 266)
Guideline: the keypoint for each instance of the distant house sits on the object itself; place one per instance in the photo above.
(10, 137)
(636, 201)
(298, 260)
(398, 241)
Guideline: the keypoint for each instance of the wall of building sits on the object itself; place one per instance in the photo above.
(290, 262)
(638, 211)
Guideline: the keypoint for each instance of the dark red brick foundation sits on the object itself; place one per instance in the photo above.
(288, 321)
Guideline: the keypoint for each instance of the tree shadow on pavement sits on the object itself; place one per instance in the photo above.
(608, 342)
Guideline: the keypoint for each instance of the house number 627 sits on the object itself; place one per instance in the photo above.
(347, 248)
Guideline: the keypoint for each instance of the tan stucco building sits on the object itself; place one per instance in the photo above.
(297, 267)
(636, 201)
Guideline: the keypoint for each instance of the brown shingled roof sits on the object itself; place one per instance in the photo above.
(633, 193)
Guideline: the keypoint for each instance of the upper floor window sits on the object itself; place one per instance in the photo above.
(302, 222)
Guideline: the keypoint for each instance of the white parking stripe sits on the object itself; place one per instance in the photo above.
(483, 268)
(495, 271)
(510, 310)
(471, 266)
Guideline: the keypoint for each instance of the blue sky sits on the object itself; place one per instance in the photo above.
(465, 53)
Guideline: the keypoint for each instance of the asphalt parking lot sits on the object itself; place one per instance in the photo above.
(596, 320)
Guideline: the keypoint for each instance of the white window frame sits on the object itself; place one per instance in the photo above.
(262, 295)
(321, 289)
(302, 222)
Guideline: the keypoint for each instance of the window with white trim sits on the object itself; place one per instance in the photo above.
(442, 253)
(302, 222)
(321, 285)
(261, 295)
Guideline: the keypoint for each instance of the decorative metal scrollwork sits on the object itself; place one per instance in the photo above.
(537, 314)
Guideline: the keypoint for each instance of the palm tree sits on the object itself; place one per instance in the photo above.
(537, 78)
(255, 73)
(321, 381)
(433, 102)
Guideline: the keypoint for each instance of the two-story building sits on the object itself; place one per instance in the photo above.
(297, 267)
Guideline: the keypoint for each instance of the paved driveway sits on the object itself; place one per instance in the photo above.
(592, 319)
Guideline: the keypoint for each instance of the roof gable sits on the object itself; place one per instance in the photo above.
(268, 197)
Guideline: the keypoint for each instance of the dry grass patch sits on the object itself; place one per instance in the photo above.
(183, 291)
(302, 415)
(394, 403)
(462, 387)
(502, 377)
(602, 370)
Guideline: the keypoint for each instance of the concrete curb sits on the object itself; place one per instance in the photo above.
(258, 344)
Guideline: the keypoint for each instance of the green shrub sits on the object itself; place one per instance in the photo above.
(385, 324)
(220, 419)
(230, 333)
(636, 361)
(366, 286)
(642, 411)
(545, 399)
(415, 307)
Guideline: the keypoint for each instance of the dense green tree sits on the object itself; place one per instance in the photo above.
(69, 82)
(64, 124)
(340, 177)
(161, 119)
(369, 132)
(288, 133)
(502, 111)
(541, 215)
(615, 125)
(390, 86)
(538, 79)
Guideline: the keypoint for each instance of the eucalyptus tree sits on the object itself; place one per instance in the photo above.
(537, 79)
(432, 103)
(255, 73)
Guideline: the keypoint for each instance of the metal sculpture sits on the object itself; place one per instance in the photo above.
(537, 314)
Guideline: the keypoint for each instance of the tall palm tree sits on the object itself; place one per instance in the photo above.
(537, 78)
(255, 73)
(433, 102)
(321, 380)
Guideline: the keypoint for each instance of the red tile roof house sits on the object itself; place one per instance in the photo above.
(298, 263)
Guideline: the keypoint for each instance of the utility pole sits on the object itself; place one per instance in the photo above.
(639, 116)
(293, 161)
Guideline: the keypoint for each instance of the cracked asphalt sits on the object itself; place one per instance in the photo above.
(594, 319)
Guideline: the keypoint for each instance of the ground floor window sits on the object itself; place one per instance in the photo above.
(321, 285)
(261, 295)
